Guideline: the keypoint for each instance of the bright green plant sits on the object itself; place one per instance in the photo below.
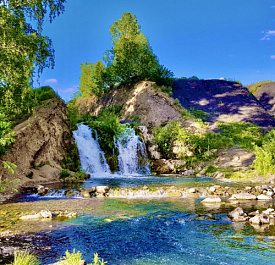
(197, 147)
(25, 258)
(92, 78)
(23, 47)
(97, 260)
(108, 126)
(177, 102)
(245, 134)
(73, 258)
(130, 60)
(265, 155)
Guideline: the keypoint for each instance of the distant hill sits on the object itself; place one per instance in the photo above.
(223, 101)
(265, 93)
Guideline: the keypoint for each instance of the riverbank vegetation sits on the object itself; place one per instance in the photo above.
(74, 258)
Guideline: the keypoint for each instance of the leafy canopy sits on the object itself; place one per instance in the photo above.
(23, 48)
(130, 60)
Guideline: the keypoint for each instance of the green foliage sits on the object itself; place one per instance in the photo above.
(108, 126)
(130, 60)
(97, 260)
(23, 47)
(177, 102)
(199, 114)
(245, 134)
(190, 78)
(167, 89)
(210, 170)
(265, 155)
(25, 258)
(71, 258)
(6, 134)
(72, 161)
(92, 78)
(166, 136)
(64, 174)
(197, 147)
(7, 185)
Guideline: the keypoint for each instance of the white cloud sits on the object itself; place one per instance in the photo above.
(272, 56)
(51, 81)
(68, 90)
(268, 34)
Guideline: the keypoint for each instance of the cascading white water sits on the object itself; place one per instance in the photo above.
(92, 158)
(132, 151)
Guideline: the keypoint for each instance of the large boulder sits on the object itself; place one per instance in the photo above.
(42, 142)
(235, 158)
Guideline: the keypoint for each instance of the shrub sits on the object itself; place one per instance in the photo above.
(245, 134)
(64, 174)
(108, 127)
(200, 146)
(177, 102)
(265, 155)
(25, 258)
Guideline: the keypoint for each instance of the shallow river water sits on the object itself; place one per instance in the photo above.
(150, 231)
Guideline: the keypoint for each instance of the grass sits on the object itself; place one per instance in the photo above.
(25, 258)
(74, 258)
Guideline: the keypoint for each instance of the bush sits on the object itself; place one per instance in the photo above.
(108, 126)
(246, 135)
(265, 155)
(25, 258)
(200, 146)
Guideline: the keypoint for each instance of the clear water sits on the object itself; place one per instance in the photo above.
(132, 181)
(164, 233)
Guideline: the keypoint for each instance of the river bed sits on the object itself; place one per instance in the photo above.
(142, 231)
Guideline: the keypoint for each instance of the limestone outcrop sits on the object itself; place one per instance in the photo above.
(41, 144)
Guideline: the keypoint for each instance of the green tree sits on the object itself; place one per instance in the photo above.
(23, 48)
(91, 79)
(130, 60)
(132, 56)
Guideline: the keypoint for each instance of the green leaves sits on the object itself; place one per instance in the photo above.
(91, 79)
(130, 60)
(22, 46)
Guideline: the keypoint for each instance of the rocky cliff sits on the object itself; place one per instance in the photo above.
(265, 93)
(223, 101)
(41, 144)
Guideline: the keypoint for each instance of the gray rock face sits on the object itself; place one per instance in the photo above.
(235, 157)
(41, 144)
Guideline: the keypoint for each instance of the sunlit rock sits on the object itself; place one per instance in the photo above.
(212, 199)
(263, 197)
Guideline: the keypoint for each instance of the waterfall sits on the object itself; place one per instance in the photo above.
(132, 154)
(92, 158)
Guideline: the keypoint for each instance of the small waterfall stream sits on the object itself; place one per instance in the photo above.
(92, 158)
(132, 153)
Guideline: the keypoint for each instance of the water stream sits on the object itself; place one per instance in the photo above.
(92, 158)
(164, 231)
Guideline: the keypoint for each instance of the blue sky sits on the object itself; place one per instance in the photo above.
(234, 39)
